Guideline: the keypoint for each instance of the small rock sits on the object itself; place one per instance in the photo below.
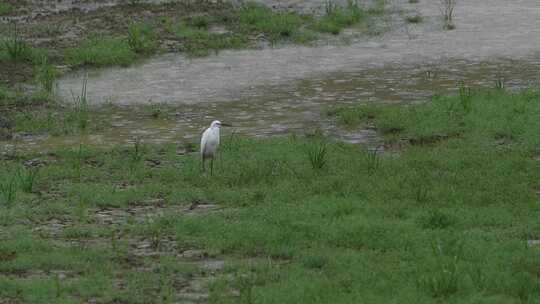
(214, 266)
(5, 134)
(60, 274)
(5, 124)
(181, 151)
(206, 206)
(153, 162)
(186, 149)
(194, 254)
(219, 30)
(195, 297)
(154, 202)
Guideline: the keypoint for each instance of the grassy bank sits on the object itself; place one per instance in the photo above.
(288, 220)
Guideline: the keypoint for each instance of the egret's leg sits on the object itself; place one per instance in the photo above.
(212, 166)
(202, 164)
(220, 160)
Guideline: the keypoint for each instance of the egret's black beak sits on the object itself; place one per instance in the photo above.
(226, 125)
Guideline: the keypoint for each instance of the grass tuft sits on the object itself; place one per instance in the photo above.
(6, 8)
(8, 190)
(199, 42)
(447, 8)
(102, 52)
(15, 46)
(142, 39)
(79, 113)
(277, 25)
(27, 178)
(337, 18)
(317, 153)
(414, 19)
(436, 219)
(46, 76)
(444, 278)
(373, 161)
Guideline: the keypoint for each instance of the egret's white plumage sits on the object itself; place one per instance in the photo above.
(210, 143)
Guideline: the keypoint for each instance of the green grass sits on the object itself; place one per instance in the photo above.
(46, 76)
(414, 19)
(337, 18)
(200, 42)
(142, 39)
(5, 8)
(492, 114)
(276, 25)
(305, 37)
(378, 8)
(17, 98)
(102, 52)
(56, 119)
(14, 48)
(5, 94)
(248, 21)
(301, 220)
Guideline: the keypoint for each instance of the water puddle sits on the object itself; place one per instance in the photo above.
(291, 107)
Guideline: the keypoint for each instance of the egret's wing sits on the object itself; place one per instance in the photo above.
(204, 140)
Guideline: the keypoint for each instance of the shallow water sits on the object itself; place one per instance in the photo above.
(293, 107)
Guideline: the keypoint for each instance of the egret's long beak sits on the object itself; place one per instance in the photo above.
(226, 125)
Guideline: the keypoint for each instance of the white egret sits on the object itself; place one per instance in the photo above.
(210, 143)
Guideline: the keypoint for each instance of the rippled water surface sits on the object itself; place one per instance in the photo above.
(293, 107)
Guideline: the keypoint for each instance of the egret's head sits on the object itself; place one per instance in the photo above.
(215, 124)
